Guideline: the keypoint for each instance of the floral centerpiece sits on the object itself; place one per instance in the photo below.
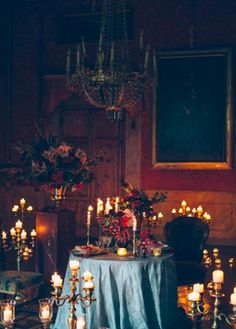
(134, 207)
(54, 166)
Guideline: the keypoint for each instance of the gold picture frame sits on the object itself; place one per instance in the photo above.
(192, 110)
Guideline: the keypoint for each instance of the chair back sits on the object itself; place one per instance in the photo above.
(187, 235)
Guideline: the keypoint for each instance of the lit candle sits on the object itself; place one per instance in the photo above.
(45, 313)
(14, 209)
(22, 202)
(194, 211)
(13, 231)
(108, 206)
(4, 235)
(7, 314)
(90, 209)
(122, 252)
(80, 324)
(134, 224)
(54, 276)
(215, 252)
(29, 208)
(23, 235)
(208, 217)
(183, 204)
(156, 252)
(218, 276)
(160, 215)
(233, 299)
(58, 281)
(33, 233)
(99, 206)
(87, 276)
(194, 296)
(199, 210)
(198, 287)
(180, 211)
(88, 285)
(19, 224)
(117, 204)
(188, 209)
(74, 264)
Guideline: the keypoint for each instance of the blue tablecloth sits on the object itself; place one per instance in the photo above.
(131, 293)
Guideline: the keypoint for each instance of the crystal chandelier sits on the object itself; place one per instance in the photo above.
(111, 83)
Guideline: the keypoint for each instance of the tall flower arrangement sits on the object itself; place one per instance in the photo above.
(50, 163)
(134, 206)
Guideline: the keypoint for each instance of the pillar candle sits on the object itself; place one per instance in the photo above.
(74, 264)
(7, 315)
(194, 296)
(23, 235)
(198, 287)
(18, 224)
(134, 224)
(233, 299)
(87, 276)
(33, 233)
(45, 314)
(218, 276)
(22, 202)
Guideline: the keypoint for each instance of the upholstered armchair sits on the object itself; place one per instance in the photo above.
(188, 235)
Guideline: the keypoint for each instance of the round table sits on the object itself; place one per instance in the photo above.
(131, 293)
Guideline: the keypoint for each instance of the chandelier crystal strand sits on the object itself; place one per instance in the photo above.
(111, 83)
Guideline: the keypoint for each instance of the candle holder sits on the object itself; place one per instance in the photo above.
(24, 246)
(84, 298)
(18, 236)
(45, 311)
(134, 244)
(7, 311)
(198, 314)
(88, 228)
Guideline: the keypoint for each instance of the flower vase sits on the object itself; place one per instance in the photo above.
(58, 195)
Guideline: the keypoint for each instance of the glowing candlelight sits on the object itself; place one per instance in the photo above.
(22, 202)
(233, 299)
(29, 208)
(194, 211)
(122, 252)
(33, 233)
(74, 264)
(160, 215)
(23, 235)
(218, 276)
(4, 235)
(198, 287)
(54, 276)
(45, 313)
(173, 211)
(88, 285)
(180, 211)
(183, 204)
(13, 231)
(87, 276)
(117, 204)
(194, 296)
(7, 314)
(18, 224)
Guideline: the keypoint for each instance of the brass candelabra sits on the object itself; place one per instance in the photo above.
(85, 299)
(18, 238)
(197, 313)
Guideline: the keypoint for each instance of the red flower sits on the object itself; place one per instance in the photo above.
(124, 221)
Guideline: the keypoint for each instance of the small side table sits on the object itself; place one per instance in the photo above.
(55, 237)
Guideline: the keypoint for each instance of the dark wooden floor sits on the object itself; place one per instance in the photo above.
(27, 316)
